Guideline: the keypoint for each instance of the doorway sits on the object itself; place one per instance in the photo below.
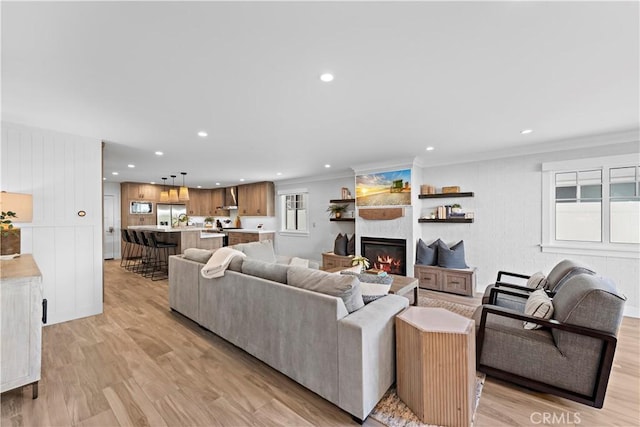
(109, 235)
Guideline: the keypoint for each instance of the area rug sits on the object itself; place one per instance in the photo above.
(391, 411)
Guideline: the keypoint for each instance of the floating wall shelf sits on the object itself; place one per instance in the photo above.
(342, 219)
(450, 220)
(445, 195)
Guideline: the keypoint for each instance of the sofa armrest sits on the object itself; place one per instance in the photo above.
(366, 354)
(184, 293)
(510, 274)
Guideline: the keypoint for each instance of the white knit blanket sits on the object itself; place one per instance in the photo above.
(219, 262)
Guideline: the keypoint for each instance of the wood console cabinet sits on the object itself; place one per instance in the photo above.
(331, 260)
(461, 282)
(21, 323)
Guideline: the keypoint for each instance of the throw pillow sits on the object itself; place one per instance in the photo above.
(369, 278)
(340, 245)
(344, 287)
(198, 255)
(266, 270)
(452, 257)
(351, 245)
(538, 305)
(299, 262)
(427, 254)
(537, 281)
(262, 251)
(373, 291)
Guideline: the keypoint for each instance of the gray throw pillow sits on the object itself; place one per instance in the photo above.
(351, 245)
(370, 278)
(340, 245)
(236, 263)
(452, 257)
(427, 254)
(266, 270)
(262, 251)
(342, 286)
(198, 255)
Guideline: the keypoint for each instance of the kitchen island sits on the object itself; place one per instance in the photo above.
(248, 235)
(183, 237)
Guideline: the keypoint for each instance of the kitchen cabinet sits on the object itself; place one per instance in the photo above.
(199, 202)
(21, 323)
(217, 201)
(139, 191)
(256, 199)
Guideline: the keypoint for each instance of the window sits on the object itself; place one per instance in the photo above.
(294, 211)
(592, 206)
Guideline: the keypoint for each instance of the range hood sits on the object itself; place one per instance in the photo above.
(230, 198)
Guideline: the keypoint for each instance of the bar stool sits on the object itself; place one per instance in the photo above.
(149, 257)
(129, 251)
(162, 257)
(139, 251)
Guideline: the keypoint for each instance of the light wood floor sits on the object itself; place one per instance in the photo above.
(140, 364)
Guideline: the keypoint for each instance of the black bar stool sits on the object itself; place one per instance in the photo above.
(162, 257)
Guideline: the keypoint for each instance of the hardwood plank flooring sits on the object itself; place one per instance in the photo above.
(140, 364)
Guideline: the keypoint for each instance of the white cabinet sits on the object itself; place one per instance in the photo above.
(21, 323)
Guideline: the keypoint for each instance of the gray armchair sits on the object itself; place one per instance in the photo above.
(571, 356)
(557, 277)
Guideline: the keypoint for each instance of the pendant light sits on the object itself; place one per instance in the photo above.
(173, 193)
(164, 194)
(184, 191)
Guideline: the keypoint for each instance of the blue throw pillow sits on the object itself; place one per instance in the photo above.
(452, 257)
(427, 254)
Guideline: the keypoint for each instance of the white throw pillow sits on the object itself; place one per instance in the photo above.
(537, 281)
(299, 262)
(538, 305)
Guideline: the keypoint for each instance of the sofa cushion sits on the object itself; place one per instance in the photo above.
(538, 305)
(262, 250)
(236, 264)
(452, 257)
(427, 254)
(537, 281)
(345, 287)
(340, 244)
(266, 270)
(198, 255)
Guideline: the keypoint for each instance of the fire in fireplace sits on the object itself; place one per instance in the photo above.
(385, 254)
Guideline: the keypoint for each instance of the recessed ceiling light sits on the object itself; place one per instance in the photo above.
(199, 186)
(131, 166)
(217, 183)
(326, 77)
(159, 153)
(152, 183)
(279, 173)
(430, 148)
(327, 166)
(114, 173)
(202, 134)
(526, 131)
(241, 179)
(104, 179)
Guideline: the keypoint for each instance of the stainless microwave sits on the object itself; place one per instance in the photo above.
(141, 208)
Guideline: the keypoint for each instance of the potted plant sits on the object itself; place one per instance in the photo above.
(183, 220)
(9, 236)
(208, 222)
(363, 262)
(337, 209)
(456, 208)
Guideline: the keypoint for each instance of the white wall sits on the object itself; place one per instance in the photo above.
(113, 189)
(507, 230)
(63, 173)
(322, 232)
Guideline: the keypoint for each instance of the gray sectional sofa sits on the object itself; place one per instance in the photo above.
(347, 358)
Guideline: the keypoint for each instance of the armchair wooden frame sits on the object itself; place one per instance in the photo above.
(609, 342)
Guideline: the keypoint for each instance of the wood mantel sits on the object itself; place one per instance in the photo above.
(381, 213)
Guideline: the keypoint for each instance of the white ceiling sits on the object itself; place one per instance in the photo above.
(464, 77)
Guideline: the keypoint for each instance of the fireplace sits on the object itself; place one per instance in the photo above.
(385, 254)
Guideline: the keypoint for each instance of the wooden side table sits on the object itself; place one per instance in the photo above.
(436, 365)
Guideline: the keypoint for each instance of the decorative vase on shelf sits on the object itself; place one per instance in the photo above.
(338, 214)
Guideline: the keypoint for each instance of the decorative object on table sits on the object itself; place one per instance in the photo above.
(427, 189)
(376, 272)
(361, 261)
(346, 194)
(454, 189)
(208, 222)
(15, 207)
(384, 189)
(337, 209)
(183, 220)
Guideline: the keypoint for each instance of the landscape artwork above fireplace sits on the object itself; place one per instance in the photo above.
(385, 254)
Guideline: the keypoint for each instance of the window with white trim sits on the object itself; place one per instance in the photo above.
(294, 208)
(592, 206)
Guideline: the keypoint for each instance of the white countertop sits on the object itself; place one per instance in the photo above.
(165, 229)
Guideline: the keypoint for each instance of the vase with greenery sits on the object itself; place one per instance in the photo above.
(6, 221)
(337, 209)
(9, 235)
(208, 222)
(363, 262)
(456, 208)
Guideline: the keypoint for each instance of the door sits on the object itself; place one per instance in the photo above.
(109, 240)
